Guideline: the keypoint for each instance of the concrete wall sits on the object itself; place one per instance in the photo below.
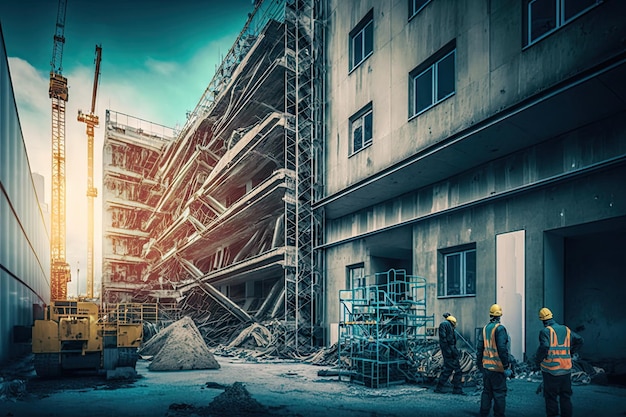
(513, 193)
(534, 212)
(568, 155)
(494, 71)
(24, 241)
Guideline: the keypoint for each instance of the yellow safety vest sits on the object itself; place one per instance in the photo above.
(491, 360)
(559, 359)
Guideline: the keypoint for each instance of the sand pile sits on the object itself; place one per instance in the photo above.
(179, 346)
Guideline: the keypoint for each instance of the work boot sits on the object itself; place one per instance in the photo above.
(439, 390)
(459, 392)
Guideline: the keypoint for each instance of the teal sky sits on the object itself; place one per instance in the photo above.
(157, 60)
(168, 51)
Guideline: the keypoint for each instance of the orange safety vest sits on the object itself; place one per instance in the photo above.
(491, 360)
(559, 359)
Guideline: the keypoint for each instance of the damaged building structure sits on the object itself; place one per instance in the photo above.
(218, 219)
(479, 145)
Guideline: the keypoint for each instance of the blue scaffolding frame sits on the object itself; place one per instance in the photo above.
(379, 325)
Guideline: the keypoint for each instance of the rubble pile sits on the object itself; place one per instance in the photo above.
(253, 336)
(583, 373)
(236, 401)
(178, 347)
(11, 389)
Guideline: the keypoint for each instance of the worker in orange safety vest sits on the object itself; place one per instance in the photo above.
(557, 344)
(492, 358)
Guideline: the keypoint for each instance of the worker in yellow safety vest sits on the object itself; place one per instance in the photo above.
(492, 358)
(557, 344)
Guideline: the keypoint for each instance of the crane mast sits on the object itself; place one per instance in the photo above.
(91, 120)
(58, 92)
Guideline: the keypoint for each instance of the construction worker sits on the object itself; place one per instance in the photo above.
(492, 358)
(451, 356)
(557, 344)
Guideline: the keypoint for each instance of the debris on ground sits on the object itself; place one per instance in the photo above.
(424, 359)
(179, 347)
(583, 373)
(253, 336)
(123, 373)
(12, 389)
(236, 401)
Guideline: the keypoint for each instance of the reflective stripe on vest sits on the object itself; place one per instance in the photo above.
(559, 359)
(491, 359)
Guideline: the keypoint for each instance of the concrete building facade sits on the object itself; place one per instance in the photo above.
(480, 145)
(24, 240)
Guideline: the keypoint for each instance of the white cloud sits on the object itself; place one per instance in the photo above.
(32, 84)
(156, 94)
(162, 67)
(34, 109)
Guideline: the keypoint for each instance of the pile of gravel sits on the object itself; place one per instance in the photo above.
(179, 346)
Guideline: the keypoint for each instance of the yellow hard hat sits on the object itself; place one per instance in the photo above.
(495, 310)
(452, 320)
(545, 314)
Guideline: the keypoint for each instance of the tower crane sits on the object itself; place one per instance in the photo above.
(91, 120)
(58, 92)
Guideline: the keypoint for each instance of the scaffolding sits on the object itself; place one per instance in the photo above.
(379, 326)
(303, 133)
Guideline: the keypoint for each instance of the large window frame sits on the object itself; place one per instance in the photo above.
(544, 17)
(361, 129)
(457, 276)
(432, 82)
(416, 6)
(355, 276)
(362, 40)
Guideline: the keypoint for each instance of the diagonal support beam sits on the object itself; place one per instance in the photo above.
(212, 292)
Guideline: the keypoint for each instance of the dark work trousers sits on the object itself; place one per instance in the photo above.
(557, 386)
(494, 388)
(450, 365)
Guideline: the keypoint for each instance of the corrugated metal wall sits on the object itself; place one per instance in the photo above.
(24, 241)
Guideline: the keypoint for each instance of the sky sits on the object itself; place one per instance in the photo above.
(157, 60)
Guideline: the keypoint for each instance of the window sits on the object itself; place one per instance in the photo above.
(362, 40)
(415, 6)
(459, 274)
(361, 128)
(545, 16)
(356, 281)
(356, 276)
(432, 83)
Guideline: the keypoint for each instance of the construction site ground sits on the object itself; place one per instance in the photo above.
(241, 387)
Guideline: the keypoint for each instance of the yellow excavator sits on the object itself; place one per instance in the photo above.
(74, 335)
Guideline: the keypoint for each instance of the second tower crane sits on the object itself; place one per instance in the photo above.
(91, 120)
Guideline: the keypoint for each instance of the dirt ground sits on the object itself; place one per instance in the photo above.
(244, 388)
